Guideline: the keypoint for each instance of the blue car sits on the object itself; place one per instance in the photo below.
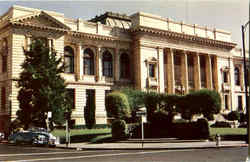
(32, 138)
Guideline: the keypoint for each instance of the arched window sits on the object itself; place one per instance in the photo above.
(237, 76)
(69, 59)
(107, 65)
(88, 62)
(124, 66)
(225, 76)
(4, 55)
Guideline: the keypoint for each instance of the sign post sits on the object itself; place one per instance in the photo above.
(142, 114)
(67, 116)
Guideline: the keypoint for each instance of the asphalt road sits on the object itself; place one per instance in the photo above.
(26, 153)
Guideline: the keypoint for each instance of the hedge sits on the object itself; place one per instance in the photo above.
(117, 105)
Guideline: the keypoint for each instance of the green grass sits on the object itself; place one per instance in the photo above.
(228, 131)
(73, 132)
(101, 138)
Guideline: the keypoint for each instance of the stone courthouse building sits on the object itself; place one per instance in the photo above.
(144, 51)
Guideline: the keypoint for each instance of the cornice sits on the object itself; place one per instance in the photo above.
(19, 24)
(184, 37)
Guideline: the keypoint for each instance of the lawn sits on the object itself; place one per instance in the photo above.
(74, 132)
(228, 131)
(104, 135)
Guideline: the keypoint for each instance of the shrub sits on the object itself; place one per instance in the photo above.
(233, 115)
(193, 130)
(119, 129)
(151, 101)
(203, 128)
(135, 98)
(89, 115)
(204, 102)
(209, 116)
(221, 124)
(160, 118)
(117, 105)
(243, 117)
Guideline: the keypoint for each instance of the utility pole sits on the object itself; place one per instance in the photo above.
(248, 157)
(248, 107)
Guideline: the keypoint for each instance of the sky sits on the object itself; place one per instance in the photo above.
(227, 15)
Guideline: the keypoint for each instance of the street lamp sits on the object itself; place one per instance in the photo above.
(243, 29)
(247, 99)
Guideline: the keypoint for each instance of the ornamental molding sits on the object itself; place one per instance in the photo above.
(37, 15)
(184, 37)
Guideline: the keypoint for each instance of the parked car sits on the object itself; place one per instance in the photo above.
(33, 138)
(1, 136)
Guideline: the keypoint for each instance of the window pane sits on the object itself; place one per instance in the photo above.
(237, 76)
(4, 63)
(107, 64)
(124, 66)
(151, 70)
(69, 59)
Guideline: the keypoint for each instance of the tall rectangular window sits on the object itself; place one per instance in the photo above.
(226, 102)
(177, 69)
(4, 63)
(151, 70)
(225, 77)
(3, 98)
(190, 71)
(4, 55)
(71, 94)
(203, 71)
(240, 108)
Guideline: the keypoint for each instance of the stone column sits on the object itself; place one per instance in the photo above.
(97, 58)
(27, 42)
(78, 61)
(184, 71)
(160, 79)
(209, 83)
(170, 70)
(116, 65)
(51, 43)
(197, 77)
(215, 73)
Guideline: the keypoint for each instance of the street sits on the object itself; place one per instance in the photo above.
(26, 153)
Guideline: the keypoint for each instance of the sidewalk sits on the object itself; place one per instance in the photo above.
(151, 145)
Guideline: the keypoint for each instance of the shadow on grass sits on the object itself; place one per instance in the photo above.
(82, 138)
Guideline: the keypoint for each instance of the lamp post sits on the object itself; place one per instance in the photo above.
(243, 29)
(246, 80)
(247, 96)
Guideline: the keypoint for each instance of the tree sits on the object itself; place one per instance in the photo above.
(42, 88)
(117, 105)
(206, 102)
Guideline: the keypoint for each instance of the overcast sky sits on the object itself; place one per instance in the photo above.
(228, 15)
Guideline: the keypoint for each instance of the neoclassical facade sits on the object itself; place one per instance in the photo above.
(144, 51)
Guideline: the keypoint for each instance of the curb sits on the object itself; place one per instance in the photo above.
(153, 148)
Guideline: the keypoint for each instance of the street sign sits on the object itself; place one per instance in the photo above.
(144, 119)
(140, 113)
(49, 114)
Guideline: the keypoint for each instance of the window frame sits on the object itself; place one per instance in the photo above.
(69, 55)
(237, 76)
(124, 66)
(88, 62)
(152, 70)
(107, 64)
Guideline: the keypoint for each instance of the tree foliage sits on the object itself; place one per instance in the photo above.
(117, 105)
(42, 88)
(135, 98)
(204, 101)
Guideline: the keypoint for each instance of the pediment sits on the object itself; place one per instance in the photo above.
(41, 19)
